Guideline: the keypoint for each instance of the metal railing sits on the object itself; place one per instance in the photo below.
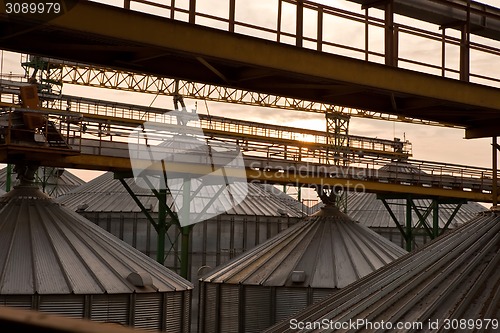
(245, 131)
(309, 24)
(101, 138)
(15, 131)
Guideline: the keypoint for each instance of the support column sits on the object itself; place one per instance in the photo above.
(8, 181)
(232, 14)
(337, 136)
(465, 47)
(192, 11)
(319, 33)
(494, 188)
(162, 226)
(409, 227)
(435, 218)
(299, 33)
(185, 211)
(390, 37)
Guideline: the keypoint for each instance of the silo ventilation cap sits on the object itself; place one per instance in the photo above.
(298, 276)
(140, 279)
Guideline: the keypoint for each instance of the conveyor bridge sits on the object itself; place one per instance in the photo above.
(96, 146)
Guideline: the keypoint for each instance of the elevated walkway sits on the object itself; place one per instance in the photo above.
(105, 148)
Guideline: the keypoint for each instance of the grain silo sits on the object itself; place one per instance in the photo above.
(296, 268)
(53, 181)
(260, 216)
(453, 281)
(54, 260)
(371, 212)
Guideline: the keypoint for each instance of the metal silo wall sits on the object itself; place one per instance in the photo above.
(207, 311)
(15, 301)
(156, 311)
(248, 308)
(67, 305)
(110, 308)
(257, 309)
(229, 302)
(148, 311)
(289, 301)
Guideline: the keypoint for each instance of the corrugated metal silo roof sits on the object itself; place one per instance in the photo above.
(330, 248)
(106, 194)
(454, 277)
(48, 249)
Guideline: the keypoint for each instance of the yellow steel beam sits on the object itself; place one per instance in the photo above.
(93, 162)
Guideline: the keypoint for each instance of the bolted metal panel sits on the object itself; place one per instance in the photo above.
(199, 307)
(257, 309)
(148, 311)
(67, 305)
(289, 301)
(174, 312)
(111, 308)
(207, 308)
(229, 308)
(187, 310)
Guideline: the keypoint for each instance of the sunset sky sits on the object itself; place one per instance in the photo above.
(429, 143)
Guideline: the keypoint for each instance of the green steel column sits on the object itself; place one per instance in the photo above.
(8, 182)
(408, 236)
(162, 226)
(185, 230)
(435, 218)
